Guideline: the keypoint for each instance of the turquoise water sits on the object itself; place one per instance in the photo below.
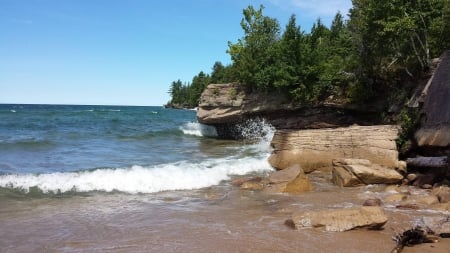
(61, 148)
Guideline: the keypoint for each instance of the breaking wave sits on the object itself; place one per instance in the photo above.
(138, 179)
(197, 129)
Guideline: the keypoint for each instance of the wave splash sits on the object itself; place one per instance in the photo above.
(198, 129)
(181, 175)
(138, 179)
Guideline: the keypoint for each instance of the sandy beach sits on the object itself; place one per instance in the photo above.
(216, 219)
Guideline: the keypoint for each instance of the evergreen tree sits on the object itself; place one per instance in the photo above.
(254, 56)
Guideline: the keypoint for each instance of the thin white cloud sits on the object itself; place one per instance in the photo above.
(318, 8)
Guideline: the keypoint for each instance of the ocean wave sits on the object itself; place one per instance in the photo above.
(137, 179)
(28, 143)
(149, 135)
(197, 129)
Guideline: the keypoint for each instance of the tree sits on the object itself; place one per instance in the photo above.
(176, 91)
(292, 54)
(395, 35)
(222, 74)
(199, 83)
(254, 55)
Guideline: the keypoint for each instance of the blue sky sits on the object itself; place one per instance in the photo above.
(123, 52)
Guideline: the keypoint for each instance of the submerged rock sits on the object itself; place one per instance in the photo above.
(373, 202)
(354, 172)
(369, 217)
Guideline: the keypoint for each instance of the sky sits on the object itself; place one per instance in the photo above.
(124, 52)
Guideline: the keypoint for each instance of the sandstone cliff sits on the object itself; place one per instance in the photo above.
(316, 148)
(227, 105)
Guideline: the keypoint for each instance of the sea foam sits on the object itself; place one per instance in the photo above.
(198, 129)
(139, 179)
(182, 175)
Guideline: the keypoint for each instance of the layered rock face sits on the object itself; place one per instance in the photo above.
(316, 148)
(226, 106)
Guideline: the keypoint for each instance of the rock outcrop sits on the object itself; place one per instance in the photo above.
(316, 148)
(226, 106)
(355, 172)
(434, 131)
(371, 217)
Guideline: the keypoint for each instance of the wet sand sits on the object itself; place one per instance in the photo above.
(217, 219)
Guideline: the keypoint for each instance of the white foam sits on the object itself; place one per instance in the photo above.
(139, 179)
(257, 129)
(197, 129)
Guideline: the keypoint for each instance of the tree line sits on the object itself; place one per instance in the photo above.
(380, 45)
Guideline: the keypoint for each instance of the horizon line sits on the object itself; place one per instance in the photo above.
(3, 103)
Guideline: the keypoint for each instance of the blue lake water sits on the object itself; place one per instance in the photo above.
(83, 148)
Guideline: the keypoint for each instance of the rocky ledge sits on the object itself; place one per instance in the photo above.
(316, 148)
(227, 107)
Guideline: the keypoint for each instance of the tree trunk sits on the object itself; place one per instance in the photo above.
(428, 162)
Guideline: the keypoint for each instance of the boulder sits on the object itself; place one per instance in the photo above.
(402, 167)
(437, 224)
(424, 179)
(373, 202)
(315, 148)
(442, 193)
(239, 181)
(252, 186)
(395, 198)
(249, 183)
(353, 172)
(284, 176)
(371, 217)
(299, 185)
(420, 201)
(290, 180)
(434, 128)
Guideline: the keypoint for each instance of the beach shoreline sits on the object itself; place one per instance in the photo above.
(220, 218)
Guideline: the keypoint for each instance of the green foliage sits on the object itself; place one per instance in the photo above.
(232, 94)
(255, 55)
(188, 94)
(409, 122)
(222, 74)
(395, 37)
(382, 44)
(216, 91)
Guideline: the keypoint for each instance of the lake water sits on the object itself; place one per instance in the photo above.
(149, 179)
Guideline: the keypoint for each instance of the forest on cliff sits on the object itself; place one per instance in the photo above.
(382, 45)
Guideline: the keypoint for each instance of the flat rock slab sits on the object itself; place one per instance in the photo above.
(369, 217)
(354, 172)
